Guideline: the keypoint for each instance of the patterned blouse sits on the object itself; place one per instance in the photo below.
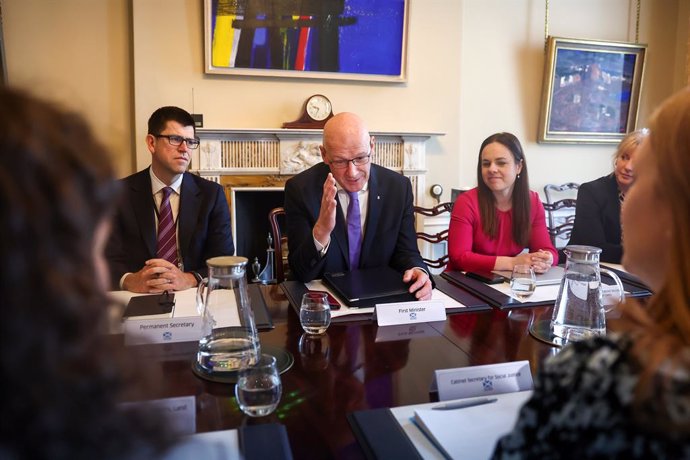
(581, 408)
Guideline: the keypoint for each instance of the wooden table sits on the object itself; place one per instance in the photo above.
(347, 369)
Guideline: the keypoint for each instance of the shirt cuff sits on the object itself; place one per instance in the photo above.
(122, 280)
(320, 248)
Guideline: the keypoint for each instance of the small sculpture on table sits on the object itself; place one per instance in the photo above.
(266, 275)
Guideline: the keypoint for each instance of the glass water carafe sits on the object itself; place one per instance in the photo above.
(579, 311)
(229, 337)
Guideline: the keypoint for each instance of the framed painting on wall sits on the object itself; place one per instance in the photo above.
(335, 39)
(591, 90)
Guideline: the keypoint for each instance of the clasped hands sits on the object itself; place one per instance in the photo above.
(540, 261)
(421, 283)
(156, 276)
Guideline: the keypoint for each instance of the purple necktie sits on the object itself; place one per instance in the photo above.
(354, 230)
(167, 239)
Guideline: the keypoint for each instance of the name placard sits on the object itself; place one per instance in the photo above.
(180, 412)
(162, 330)
(423, 311)
(610, 295)
(468, 382)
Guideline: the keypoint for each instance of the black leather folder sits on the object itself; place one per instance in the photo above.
(294, 290)
(486, 292)
(380, 435)
(262, 317)
(470, 301)
(368, 286)
(631, 280)
(260, 442)
(498, 299)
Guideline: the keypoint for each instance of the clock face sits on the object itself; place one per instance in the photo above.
(436, 190)
(318, 107)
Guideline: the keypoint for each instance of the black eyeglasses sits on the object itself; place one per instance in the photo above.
(177, 140)
(358, 161)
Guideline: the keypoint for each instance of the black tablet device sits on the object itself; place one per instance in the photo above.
(486, 277)
(147, 305)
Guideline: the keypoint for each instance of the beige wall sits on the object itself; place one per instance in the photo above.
(474, 67)
(502, 66)
(76, 52)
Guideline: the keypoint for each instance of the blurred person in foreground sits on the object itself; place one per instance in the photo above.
(627, 394)
(62, 382)
(598, 211)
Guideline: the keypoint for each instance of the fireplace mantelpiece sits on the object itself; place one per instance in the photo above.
(285, 152)
(241, 158)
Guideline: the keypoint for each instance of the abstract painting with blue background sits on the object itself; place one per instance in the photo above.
(344, 36)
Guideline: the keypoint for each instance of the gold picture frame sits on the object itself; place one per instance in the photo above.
(591, 90)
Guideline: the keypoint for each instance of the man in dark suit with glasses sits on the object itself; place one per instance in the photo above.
(169, 221)
(347, 213)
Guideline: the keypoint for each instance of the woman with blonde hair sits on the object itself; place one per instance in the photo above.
(627, 394)
(597, 216)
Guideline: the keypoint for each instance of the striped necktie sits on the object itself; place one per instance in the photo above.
(167, 238)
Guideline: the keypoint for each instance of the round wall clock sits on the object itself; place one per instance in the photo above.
(316, 111)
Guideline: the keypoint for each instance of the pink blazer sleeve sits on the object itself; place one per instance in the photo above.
(539, 235)
(464, 223)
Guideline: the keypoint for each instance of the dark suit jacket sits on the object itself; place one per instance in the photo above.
(389, 236)
(203, 229)
(598, 218)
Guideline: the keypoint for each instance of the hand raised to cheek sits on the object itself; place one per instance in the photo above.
(326, 221)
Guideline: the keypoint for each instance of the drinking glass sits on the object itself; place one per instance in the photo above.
(315, 313)
(523, 282)
(258, 387)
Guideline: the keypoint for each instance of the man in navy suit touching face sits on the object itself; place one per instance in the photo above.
(319, 200)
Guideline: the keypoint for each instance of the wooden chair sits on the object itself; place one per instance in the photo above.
(560, 227)
(556, 193)
(277, 216)
(435, 238)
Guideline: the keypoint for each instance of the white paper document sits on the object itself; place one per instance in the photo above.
(541, 293)
(550, 293)
(318, 285)
(468, 433)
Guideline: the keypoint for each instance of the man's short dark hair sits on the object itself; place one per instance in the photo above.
(162, 116)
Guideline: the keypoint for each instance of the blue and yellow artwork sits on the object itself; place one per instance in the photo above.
(363, 37)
